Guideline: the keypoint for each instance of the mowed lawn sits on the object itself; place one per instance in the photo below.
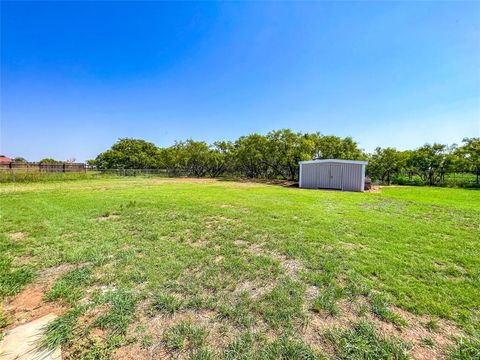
(206, 269)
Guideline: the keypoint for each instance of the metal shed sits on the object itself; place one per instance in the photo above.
(346, 175)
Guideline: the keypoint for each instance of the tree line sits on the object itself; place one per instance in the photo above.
(276, 155)
(50, 161)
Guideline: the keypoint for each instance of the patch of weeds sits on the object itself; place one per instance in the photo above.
(185, 335)
(147, 341)
(166, 304)
(284, 303)
(355, 287)
(432, 325)
(427, 342)
(466, 349)
(362, 342)
(128, 205)
(241, 312)
(242, 348)
(288, 349)
(196, 302)
(327, 299)
(92, 349)
(362, 310)
(121, 313)
(3, 319)
(202, 354)
(381, 308)
(68, 286)
(95, 349)
(61, 330)
(12, 279)
(320, 279)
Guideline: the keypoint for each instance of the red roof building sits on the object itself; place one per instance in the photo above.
(5, 160)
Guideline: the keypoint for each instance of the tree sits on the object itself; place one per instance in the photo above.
(19, 159)
(220, 158)
(129, 154)
(385, 163)
(284, 149)
(197, 157)
(174, 158)
(334, 147)
(250, 155)
(430, 162)
(49, 161)
(469, 152)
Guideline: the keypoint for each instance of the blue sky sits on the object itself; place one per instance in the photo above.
(77, 76)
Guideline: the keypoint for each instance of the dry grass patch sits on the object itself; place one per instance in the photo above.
(17, 236)
(108, 216)
(292, 267)
(417, 331)
(172, 334)
(253, 289)
(425, 343)
(352, 246)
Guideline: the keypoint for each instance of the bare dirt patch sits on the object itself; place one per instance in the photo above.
(352, 246)
(311, 293)
(219, 333)
(291, 266)
(284, 183)
(17, 236)
(181, 181)
(199, 243)
(240, 243)
(219, 222)
(318, 323)
(132, 351)
(47, 276)
(253, 289)
(106, 217)
(29, 304)
(414, 333)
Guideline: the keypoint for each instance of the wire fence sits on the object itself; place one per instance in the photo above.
(62, 173)
(19, 175)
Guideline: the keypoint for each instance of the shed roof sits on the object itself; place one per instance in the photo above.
(335, 161)
(5, 160)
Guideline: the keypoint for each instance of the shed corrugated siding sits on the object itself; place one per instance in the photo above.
(352, 177)
(317, 175)
(314, 176)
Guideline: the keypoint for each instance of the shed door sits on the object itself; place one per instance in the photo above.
(336, 176)
(323, 176)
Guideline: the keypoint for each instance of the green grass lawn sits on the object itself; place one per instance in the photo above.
(222, 269)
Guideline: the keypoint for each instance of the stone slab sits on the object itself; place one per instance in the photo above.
(21, 342)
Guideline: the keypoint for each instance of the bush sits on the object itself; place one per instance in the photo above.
(405, 180)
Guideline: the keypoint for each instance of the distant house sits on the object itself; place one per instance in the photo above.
(4, 160)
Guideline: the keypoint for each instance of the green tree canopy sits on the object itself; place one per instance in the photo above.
(129, 153)
(50, 161)
(384, 163)
(469, 152)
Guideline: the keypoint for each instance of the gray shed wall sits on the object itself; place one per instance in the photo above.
(345, 176)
